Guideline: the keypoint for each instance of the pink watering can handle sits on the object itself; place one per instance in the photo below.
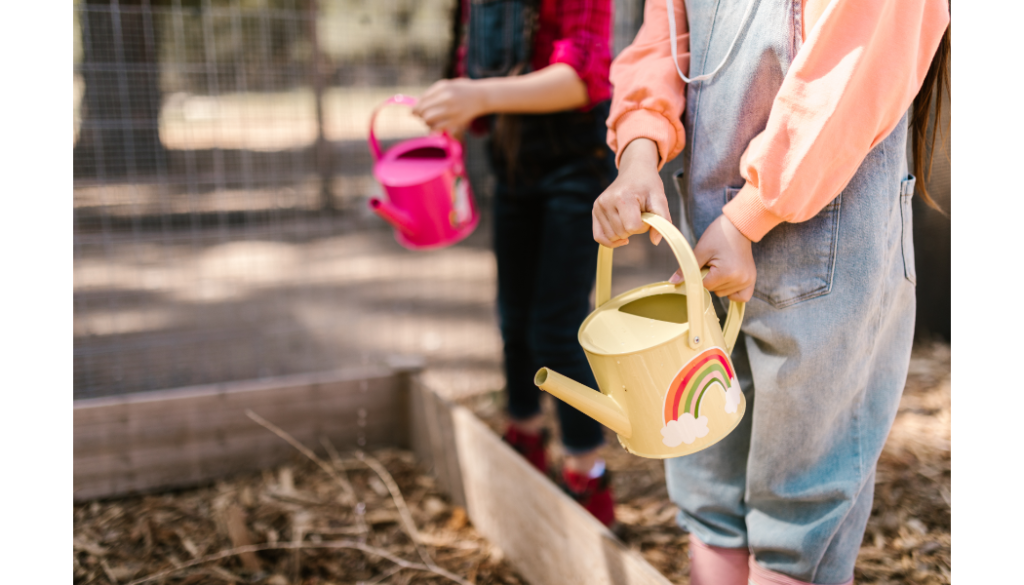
(456, 147)
(396, 99)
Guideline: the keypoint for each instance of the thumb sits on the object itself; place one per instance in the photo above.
(417, 109)
(704, 254)
(703, 251)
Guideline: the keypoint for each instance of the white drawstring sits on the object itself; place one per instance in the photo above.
(675, 53)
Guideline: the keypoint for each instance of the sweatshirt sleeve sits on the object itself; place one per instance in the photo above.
(648, 96)
(855, 76)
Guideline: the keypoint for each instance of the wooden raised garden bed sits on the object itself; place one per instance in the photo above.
(179, 438)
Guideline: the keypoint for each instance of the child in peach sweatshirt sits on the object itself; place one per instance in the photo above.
(796, 185)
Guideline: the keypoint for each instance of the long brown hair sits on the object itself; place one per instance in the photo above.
(929, 99)
(451, 66)
(507, 136)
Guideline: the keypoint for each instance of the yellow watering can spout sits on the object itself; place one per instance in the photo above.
(590, 402)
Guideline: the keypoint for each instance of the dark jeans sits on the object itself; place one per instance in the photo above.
(547, 258)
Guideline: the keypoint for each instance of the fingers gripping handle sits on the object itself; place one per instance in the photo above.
(396, 99)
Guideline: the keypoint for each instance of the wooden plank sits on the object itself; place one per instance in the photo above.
(420, 436)
(433, 439)
(548, 537)
(282, 405)
(176, 438)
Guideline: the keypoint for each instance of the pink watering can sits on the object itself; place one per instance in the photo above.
(429, 203)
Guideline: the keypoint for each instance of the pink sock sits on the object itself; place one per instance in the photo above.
(712, 565)
(762, 576)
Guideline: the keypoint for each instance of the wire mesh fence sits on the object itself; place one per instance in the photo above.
(221, 176)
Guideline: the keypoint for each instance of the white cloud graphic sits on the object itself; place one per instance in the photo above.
(732, 396)
(684, 430)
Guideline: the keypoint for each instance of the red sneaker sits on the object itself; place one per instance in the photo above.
(532, 447)
(593, 493)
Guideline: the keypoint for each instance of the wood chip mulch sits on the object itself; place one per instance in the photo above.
(125, 540)
(300, 525)
(908, 534)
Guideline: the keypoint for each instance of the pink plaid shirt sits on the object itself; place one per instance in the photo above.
(577, 33)
(574, 32)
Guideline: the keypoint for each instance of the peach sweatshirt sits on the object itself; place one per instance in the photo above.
(856, 74)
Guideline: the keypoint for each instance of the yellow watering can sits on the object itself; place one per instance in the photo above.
(661, 359)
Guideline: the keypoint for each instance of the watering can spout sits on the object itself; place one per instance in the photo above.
(587, 400)
(393, 215)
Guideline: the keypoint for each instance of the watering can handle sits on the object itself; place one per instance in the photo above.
(454, 145)
(692, 276)
(395, 99)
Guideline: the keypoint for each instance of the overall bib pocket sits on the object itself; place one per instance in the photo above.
(796, 261)
(907, 211)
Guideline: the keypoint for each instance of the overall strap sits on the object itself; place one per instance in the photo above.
(675, 51)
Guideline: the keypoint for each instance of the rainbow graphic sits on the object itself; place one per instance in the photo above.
(711, 366)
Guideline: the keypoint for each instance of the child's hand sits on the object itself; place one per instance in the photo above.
(637, 189)
(727, 252)
(451, 105)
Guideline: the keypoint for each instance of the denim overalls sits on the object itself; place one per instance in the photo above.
(543, 235)
(826, 339)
